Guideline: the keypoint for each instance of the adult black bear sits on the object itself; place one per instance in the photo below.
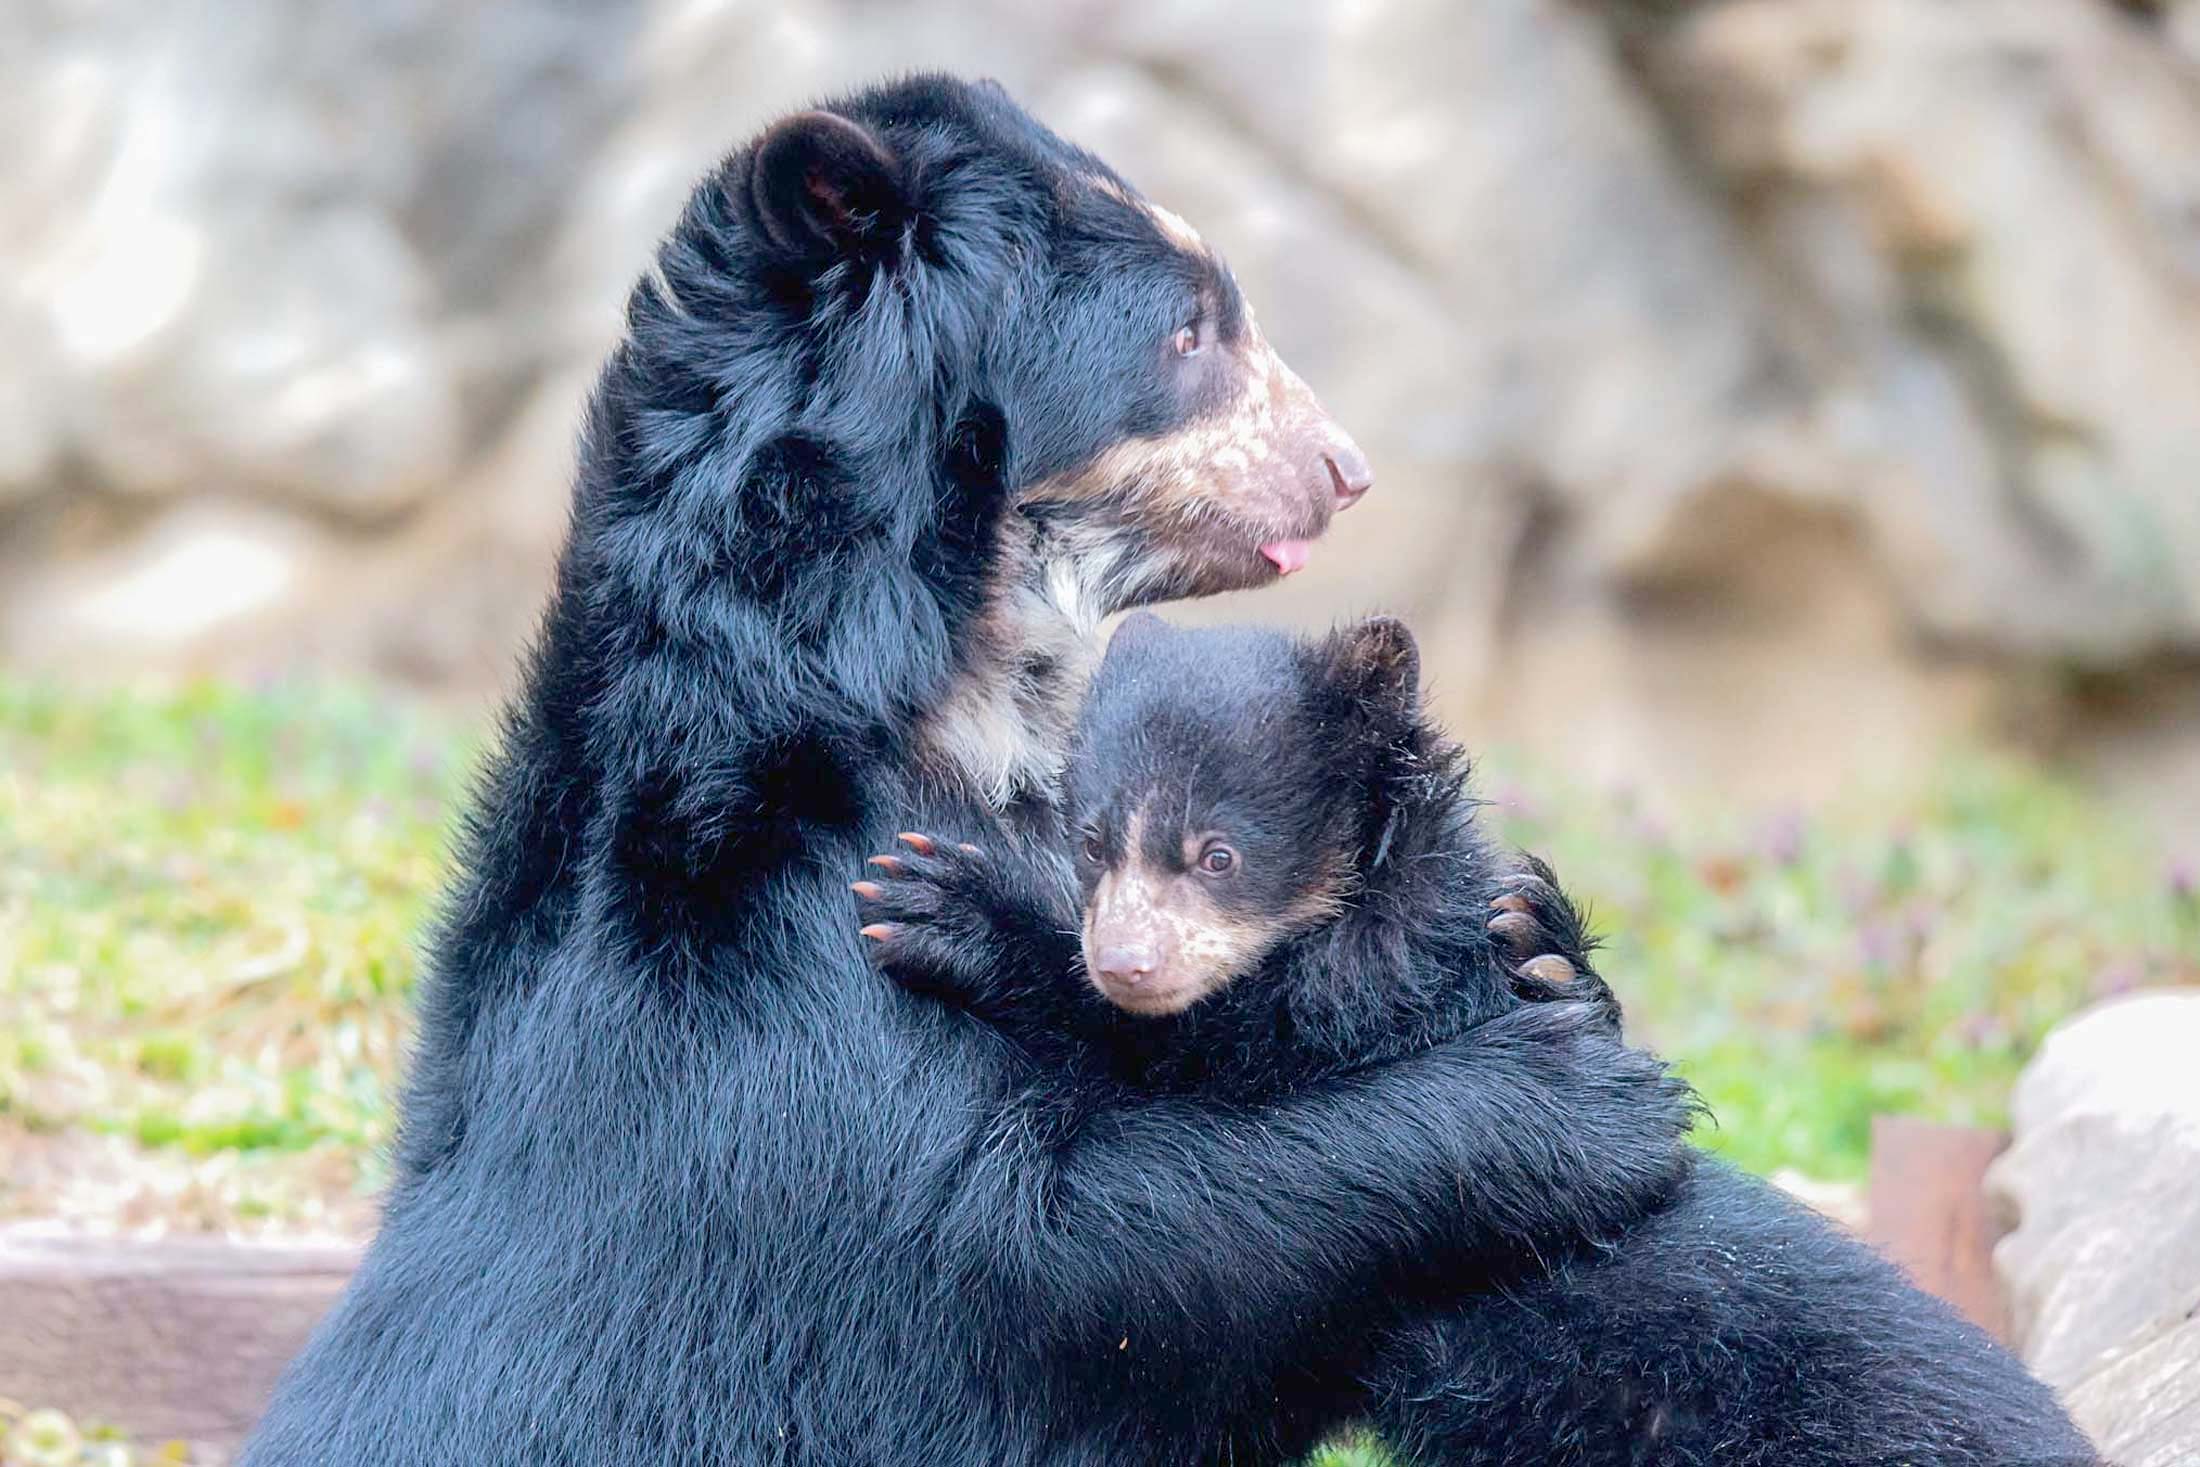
(1278, 878)
(915, 394)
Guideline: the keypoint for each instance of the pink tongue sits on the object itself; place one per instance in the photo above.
(1287, 555)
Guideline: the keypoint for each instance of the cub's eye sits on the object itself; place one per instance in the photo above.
(1090, 848)
(1189, 339)
(1217, 860)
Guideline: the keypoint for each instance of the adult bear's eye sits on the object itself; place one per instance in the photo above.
(1189, 339)
(1091, 848)
(1217, 860)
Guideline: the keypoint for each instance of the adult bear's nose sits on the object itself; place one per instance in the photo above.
(1350, 474)
(1127, 963)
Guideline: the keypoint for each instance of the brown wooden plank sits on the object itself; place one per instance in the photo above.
(1928, 1211)
(165, 1339)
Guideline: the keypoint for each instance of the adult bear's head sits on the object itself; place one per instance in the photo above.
(1086, 344)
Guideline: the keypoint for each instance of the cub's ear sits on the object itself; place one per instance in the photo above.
(1138, 626)
(1132, 632)
(821, 186)
(1379, 663)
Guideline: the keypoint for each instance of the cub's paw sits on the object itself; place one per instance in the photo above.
(1540, 936)
(928, 914)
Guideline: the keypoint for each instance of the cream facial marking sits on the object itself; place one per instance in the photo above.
(1004, 725)
(1174, 229)
(1154, 944)
(1241, 479)
(1171, 224)
(1232, 496)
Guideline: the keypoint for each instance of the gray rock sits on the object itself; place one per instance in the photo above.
(1955, 192)
(1626, 301)
(2103, 1268)
(2183, 24)
(248, 246)
(182, 582)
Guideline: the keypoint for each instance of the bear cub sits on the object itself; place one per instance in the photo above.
(1277, 876)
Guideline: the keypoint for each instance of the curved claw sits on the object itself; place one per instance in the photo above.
(923, 845)
(879, 931)
(1512, 926)
(890, 864)
(870, 891)
(1549, 968)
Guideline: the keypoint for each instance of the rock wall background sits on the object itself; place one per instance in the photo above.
(1761, 391)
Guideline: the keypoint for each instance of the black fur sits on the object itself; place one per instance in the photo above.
(1730, 1328)
(680, 1179)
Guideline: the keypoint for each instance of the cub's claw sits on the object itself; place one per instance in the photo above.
(1549, 968)
(1539, 937)
(927, 912)
(1516, 928)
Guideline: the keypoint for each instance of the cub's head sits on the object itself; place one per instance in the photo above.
(1226, 787)
(1094, 349)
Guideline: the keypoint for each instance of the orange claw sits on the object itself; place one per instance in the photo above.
(870, 891)
(884, 863)
(878, 931)
(921, 844)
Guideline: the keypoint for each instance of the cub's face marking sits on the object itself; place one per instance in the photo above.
(1165, 928)
(1154, 942)
(1230, 787)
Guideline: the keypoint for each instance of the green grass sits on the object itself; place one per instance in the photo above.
(1902, 953)
(209, 901)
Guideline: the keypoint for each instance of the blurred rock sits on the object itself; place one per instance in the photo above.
(1986, 226)
(1696, 344)
(481, 553)
(2183, 22)
(246, 251)
(188, 576)
(2103, 1268)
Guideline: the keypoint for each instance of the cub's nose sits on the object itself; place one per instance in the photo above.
(1350, 474)
(1127, 963)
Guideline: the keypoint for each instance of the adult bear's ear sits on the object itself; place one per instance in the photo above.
(821, 186)
(1378, 664)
